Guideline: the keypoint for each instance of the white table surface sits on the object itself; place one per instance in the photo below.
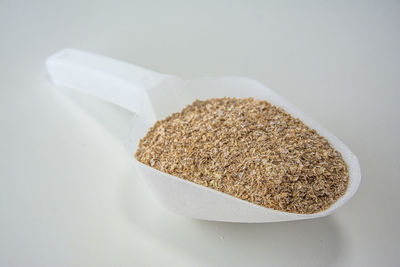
(69, 195)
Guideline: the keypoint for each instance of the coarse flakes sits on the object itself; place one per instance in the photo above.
(251, 150)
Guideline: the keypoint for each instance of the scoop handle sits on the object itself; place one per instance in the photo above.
(112, 80)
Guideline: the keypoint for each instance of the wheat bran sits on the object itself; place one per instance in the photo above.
(251, 150)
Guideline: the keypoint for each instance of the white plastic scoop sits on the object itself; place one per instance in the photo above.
(152, 96)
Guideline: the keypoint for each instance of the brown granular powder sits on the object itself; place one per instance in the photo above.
(251, 150)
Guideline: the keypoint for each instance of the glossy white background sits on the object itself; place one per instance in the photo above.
(69, 195)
